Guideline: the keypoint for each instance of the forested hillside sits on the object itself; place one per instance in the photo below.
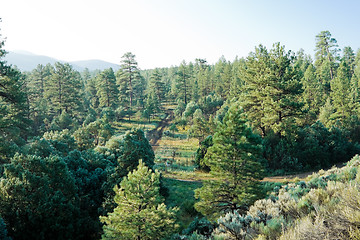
(76, 161)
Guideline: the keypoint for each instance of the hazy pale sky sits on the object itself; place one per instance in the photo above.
(162, 33)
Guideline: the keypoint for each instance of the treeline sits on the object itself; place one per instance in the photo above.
(290, 99)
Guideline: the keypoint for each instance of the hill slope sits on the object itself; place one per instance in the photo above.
(26, 61)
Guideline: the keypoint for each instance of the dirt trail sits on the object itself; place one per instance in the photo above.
(155, 135)
(301, 176)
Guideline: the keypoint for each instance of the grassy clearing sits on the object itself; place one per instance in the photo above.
(125, 125)
(178, 153)
(181, 194)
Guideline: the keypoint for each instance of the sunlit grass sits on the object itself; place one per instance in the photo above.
(125, 125)
(181, 194)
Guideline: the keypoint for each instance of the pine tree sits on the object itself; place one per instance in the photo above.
(313, 94)
(152, 105)
(157, 85)
(14, 109)
(199, 127)
(107, 90)
(182, 89)
(140, 211)
(91, 93)
(237, 82)
(234, 161)
(349, 59)
(272, 90)
(38, 198)
(326, 56)
(355, 80)
(127, 79)
(63, 89)
(341, 94)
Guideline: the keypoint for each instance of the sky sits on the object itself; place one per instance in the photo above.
(163, 33)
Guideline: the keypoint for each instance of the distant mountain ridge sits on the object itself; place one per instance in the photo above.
(27, 61)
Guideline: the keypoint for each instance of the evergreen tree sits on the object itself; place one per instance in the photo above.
(157, 85)
(140, 211)
(223, 76)
(202, 75)
(327, 113)
(38, 198)
(14, 110)
(349, 59)
(313, 94)
(128, 78)
(272, 90)
(237, 82)
(199, 128)
(91, 93)
(234, 160)
(3, 230)
(38, 105)
(182, 89)
(341, 94)
(128, 149)
(107, 90)
(326, 56)
(152, 105)
(355, 80)
(63, 89)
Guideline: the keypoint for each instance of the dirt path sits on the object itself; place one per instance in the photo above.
(155, 135)
(301, 176)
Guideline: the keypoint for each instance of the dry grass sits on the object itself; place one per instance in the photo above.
(178, 151)
(123, 126)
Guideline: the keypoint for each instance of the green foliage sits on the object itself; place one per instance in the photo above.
(313, 146)
(93, 134)
(62, 141)
(324, 207)
(156, 85)
(183, 83)
(181, 194)
(272, 90)
(128, 149)
(140, 213)
(129, 82)
(234, 160)
(13, 109)
(152, 105)
(3, 230)
(91, 171)
(191, 107)
(199, 129)
(233, 226)
(107, 91)
(38, 198)
(200, 226)
(61, 89)
(201, 153)
(210, 104)
(325, 56)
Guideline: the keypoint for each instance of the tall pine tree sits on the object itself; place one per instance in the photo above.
(234, 160)
(272, 89)
(107, 90)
